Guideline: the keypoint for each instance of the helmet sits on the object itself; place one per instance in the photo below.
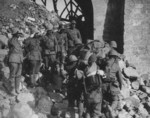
(114, 53)
(72, 58)
(113, 44)
(92, 58)
(73, 22)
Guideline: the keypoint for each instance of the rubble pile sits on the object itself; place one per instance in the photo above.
(24, 15)
(134, 99)
(27, 15)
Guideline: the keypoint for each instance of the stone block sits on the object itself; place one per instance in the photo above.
(130, 72)
(125, 92)
(146, 89)
(20, 111)
(135, 85)
(25, 97)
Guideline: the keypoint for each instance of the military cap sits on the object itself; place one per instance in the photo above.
(93, 58)
(72, 58)
(113, 44)
(73, 22)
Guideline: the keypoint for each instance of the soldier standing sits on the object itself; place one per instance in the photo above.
(62, 44)
(33, 49)
(113, 81)
(74, 36)
(15, 61)
(93, 92)
(72, 84)
(50, 48)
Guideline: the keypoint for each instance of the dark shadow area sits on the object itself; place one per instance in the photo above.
(114, 23)
(86, 27)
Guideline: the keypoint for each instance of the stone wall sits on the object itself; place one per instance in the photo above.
(100, 8)
(137, 34)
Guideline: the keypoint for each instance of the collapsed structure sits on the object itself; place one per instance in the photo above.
(135, 100)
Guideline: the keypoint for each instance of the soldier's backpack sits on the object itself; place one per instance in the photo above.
(93, 82)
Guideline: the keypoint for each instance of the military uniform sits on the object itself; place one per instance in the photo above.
(93, 91)
(74, 37)
(33, 49)
(15, 62)
(50, 50)
(113, 81)
(62, 46)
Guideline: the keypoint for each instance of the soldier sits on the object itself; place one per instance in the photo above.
(113, 45)
(62, 44)
(33, 55)
(50, 48)
(15, 61)
(113, 81)
(71, 67)
(74, 36)
(92, 86)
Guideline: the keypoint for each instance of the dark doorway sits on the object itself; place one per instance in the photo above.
(114, 23)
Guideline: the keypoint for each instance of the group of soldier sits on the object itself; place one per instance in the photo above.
(93, 80)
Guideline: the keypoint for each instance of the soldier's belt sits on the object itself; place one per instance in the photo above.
(110, 80)
(50, 52)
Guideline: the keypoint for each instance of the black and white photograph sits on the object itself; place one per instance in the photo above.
(74, 58)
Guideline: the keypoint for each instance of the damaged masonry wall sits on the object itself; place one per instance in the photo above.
(137, 34)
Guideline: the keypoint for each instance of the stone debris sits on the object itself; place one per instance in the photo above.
(27, 15)
(135, 100)
(25, 97)
(131, 72)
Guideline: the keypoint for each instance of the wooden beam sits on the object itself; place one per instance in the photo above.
(66, 5)
(44, 2)
(64, 9)
(55, 5)
(71, 7)
(63, 19)
(78, 7)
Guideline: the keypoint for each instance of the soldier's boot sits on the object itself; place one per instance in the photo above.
(12, 83)
(17, 86)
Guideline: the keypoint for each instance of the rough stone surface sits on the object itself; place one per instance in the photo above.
(135, 85)
(137, 34)
(130, 72)
(100, 7)
(25, 97)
